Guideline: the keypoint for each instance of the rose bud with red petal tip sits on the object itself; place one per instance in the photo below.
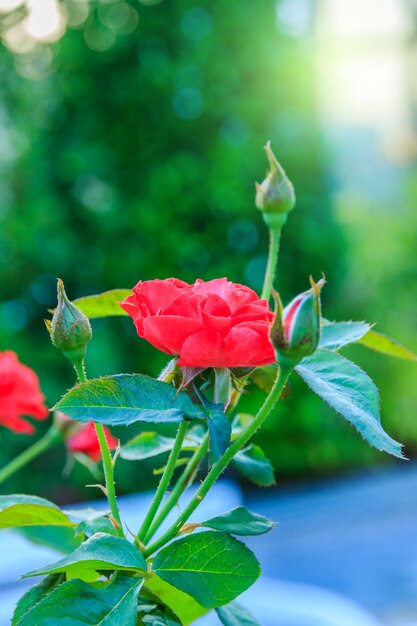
(275, 196)
(295, 332)
(85, 441)
(20, 394)
(208, 324)
(70, 329)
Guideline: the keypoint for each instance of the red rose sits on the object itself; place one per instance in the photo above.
(85, 441)
(20, 394)
(207, 324)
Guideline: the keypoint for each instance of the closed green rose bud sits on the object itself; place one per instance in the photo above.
(70, 329)
(275, 196)
(295, 332)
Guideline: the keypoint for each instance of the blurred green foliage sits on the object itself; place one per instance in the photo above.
(133, 155)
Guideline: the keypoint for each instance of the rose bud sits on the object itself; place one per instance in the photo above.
(295, 332)
(85, 441)
(70, 329)
(275, 196)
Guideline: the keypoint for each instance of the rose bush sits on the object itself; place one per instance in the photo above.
(20, 394)
(171, 573)
(208, 324)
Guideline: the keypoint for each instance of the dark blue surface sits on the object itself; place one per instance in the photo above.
(355, 536)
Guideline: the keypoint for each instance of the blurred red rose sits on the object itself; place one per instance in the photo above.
(85, 441)
(20, 394)
(207, 324)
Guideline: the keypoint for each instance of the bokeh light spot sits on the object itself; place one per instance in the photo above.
(95, 194)
(99, 38)
(15, 314)
(36, 65)
(120, 17)
(77, 11)
(234, 131)
(242, 235)
(254, 272)
(196, 23)
(188, 103)
(45, 21)
(10, 5)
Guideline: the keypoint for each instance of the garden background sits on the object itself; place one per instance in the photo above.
(131, 136)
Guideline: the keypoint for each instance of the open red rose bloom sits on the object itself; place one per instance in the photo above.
(85, 441)
(20, 394)
(207, 324)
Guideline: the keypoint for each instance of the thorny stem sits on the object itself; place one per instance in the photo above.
(219, 467)
(183, 482)
(274, 238)
(107, 460)
(164, 482)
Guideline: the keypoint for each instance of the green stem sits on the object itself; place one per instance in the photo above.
(51, 438)
(274, 237)
(164, 482)
(219, 467)
(106, 458)
(184, 481)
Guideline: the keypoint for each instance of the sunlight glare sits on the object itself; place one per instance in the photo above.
(9, 5)
(45, 21)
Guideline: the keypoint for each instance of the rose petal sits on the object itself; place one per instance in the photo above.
(203, 349)
(248, 345)
(20, 394)
(168, 332)
(159, 294)
(234, 294)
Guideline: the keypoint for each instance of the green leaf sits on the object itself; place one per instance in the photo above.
(22, 510)
(77, 603)
(101, 552)
(235, 615)
(150, 444)
(98, 525)
(222, 385)
(240, 521)
(152, 611)
(212, 567)
(255, 466)
(60, 538)
(88, 514)
(161, 618)
(103, 304)
(183, 605)
(178, 463)
(386, 345)
(36, 594)
(220, 431)
(126, 399)
(264, 377)
(350, 392)
(338, 334)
